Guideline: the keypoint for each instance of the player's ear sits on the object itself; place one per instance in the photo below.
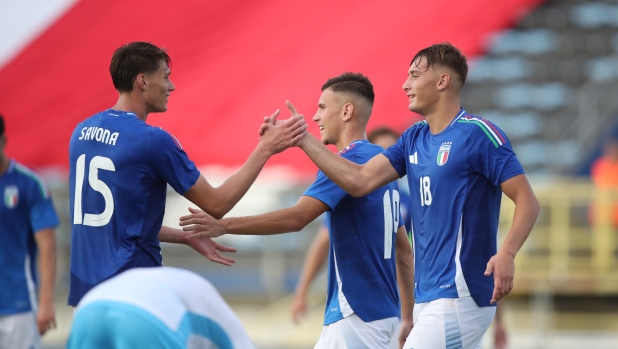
(443, 80)
(140, 81)
(348, 109)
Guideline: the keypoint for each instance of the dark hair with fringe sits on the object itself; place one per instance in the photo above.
(135, 58)
(446, 55)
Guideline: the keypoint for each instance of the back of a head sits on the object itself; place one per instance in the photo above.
(133, 59)
(354, 84)
(1, 125)
(382, 131)
(446, 55)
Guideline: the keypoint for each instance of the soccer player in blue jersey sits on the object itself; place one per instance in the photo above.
(318, 251)
(120, 169)
(458, 165)
(27, 223)
(164, 307)
(365, 263)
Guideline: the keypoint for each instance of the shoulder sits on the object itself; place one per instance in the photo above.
(160, 136)
(361, 151)
(30, 178)
(417, 127)
(477, 129)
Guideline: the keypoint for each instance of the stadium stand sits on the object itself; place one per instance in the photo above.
(551, 81)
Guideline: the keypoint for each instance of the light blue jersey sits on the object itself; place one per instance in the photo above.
(156, 308)
(120, 168)
(361, 270)
(454, 180)
(26, 209)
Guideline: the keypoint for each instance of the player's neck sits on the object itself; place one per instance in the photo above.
(349, 137)
(4, 163)
(442, 115)
(128, 104)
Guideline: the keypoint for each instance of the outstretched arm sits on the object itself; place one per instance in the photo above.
(527, 208)
(46, 244)
(315, 259)
(204, 245)
(287, 220)
(219, 201)
(405, 279)
(357, 180)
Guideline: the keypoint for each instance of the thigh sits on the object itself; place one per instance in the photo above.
(353, 333)
(19, 331)
(449, 323)
(473, 321)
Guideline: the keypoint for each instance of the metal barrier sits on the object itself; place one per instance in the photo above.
(572, 248)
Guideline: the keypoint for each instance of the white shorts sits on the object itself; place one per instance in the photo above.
(449, 323)
(19, 331)
(353, 333)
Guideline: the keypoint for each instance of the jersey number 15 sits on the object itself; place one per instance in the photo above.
(97, 162)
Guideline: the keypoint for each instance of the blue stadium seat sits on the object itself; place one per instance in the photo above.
(595, 14)
(602, 69)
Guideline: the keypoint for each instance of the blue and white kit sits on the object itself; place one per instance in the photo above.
(120, 168)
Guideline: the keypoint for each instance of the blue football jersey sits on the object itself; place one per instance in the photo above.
(26, 209)
(454, 180)
(362, 277)
(120, 168)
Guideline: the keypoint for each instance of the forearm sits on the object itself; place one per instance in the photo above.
(173, 236)
(47, 269)
(405, 275)
(277, 222)
(524, 217)
(344, 173)
(316, 256)
(235, 187)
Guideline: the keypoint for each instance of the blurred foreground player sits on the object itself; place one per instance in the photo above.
(458, 165)
(369, 249)
(156, 308)
(120, 169)
(27, 223)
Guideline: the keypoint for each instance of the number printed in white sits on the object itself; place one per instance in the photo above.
(98, 162)
(391, 221)
(425, 186)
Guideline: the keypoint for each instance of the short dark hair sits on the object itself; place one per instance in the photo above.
(1, 125)
(446, 55)
(381, 131)
(133, 59)
(353, 83)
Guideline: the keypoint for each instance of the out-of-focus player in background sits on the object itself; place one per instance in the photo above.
(318, 251)
(119, 171)
(458, 166)
(27, 223)
(369, 249)
(156, 308)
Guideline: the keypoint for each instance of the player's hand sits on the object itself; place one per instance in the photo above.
(503, 267)
(201, 224)
(299, 307)
(278, 136)
(404, 331)
(208, 248)
(46, 318)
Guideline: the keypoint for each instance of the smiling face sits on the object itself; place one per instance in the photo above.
(329, 116)
(421, 86)
(157, 87)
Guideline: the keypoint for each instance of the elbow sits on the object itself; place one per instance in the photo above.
(357, 190)
(297, 224)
